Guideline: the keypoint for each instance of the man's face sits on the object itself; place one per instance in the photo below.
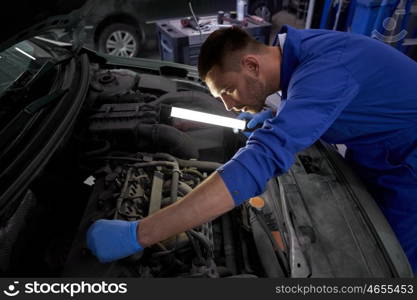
(239, 91)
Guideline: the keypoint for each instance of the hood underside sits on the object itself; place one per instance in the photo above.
(26, 19)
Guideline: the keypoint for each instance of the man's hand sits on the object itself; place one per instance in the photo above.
(255, 119)
(113, 239)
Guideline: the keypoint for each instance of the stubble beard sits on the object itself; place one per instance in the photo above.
(256, 95)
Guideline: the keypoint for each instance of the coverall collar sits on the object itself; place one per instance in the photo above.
(290, 56)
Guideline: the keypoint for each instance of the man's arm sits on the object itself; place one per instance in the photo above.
(209, 200)
(114, 239)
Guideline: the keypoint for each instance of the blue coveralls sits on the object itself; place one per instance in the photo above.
(346, 89)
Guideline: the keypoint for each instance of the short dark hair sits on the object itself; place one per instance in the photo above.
(221, 42)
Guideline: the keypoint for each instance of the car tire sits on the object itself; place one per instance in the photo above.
(120, 40)
(261, 9)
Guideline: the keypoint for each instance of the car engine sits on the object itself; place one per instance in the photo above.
(142, 161)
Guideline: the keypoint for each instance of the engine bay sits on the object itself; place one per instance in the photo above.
(126, 159)
(174, 156)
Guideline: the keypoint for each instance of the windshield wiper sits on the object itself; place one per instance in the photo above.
(26, 80)
(22, 119)
(47, 67)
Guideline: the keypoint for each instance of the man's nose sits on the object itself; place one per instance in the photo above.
(228, 102)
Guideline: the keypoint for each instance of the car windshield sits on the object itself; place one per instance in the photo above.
(18, 59)
(18, 65)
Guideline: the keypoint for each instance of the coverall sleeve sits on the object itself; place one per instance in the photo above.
(318, 92)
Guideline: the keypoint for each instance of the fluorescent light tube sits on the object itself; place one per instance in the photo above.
(197, 116)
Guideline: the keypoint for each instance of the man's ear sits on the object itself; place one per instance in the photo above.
(251, 64)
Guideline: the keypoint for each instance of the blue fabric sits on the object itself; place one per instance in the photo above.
(348, 89)
(113, 239)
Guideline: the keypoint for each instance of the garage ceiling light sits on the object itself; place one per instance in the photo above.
(197, 116)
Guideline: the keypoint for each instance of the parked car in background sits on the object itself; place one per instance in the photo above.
(125, 27)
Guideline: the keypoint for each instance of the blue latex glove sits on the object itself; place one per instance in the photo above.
(113, 239)
(255, 119)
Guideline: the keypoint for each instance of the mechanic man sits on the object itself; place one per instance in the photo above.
(341, 87)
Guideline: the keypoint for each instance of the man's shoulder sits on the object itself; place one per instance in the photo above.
(330, 38)
(331, 44)
(290, 30)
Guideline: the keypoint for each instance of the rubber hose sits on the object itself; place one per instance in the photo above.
(265, 250)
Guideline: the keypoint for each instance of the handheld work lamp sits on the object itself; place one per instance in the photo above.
(207, 118)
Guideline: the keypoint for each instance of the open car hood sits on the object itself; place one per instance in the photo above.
(26, 18)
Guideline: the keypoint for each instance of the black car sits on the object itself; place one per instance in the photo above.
(86, 136)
